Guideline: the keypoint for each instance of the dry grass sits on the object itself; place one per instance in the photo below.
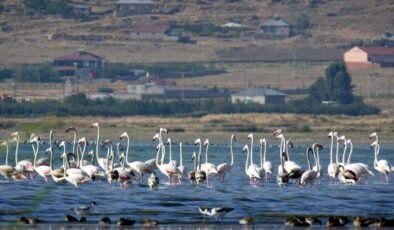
(300, 128)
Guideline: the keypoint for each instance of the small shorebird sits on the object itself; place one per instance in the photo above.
(219, 212)
(85, 209)
(125, 222)
(153, 181)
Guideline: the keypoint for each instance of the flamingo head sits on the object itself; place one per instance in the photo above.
(164, 130)
(72, 128)
(194, 156)
(49, 149)
(82, 141)
(245, 149)
(233, 137)
(62, 144)
(375, 143)
(34, 139)
(156, 137)
(168, 141)
(206, 143)
(341, 138)
(158, 147)
(374, 134)
(277, 132)
(348, 141)
(197, 141)
(332, 134)
(15, 134)
(250, 136)
(279, 136)
(124, 135)
(91, 152)
(3, 143)
(317, 145)
(106, 143)
(95, 124)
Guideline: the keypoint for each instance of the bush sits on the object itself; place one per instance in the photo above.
(36, 73)
(105, 90)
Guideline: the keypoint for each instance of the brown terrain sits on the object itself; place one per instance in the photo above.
(292, 63)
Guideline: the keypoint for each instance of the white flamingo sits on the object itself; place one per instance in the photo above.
(181, 168)
(91, 170)
(208, 168)
(332, 168)
(102, 162)
(251, 170)
(56, 174)
(316, 147)
(361, 169)
(267, 165)
(75, 162)
(169, 170)
(226, 167)
(347, 176)
(381, 166)
(138, 166)
(7, 170)
(42, 170)
(23, 166)
(293, 169)
(74, 178)
(310, 175)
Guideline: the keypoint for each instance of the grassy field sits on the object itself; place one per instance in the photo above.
(299, 128)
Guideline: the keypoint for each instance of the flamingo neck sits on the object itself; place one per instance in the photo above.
(247, 161)
(6, 154)
(35, 153)
(309, 162)
(376, 153)
(170, 152)
(74, 141)
(344, 153)
(231, 151)
(350, 153)
(261, 155)
(127, 149)
(331, 148)
(17, 149)
(251, 150)
(206, 153)
(337, 153)
(82, 155)
(97, 142)
(51, 159)
(180, 155)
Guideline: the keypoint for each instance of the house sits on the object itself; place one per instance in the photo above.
(386, 39)
(155, 32)
(161, 89)
(274, 28)
(125, 8)
(81, 65)
(81, 10)
(259, 95)
(364, 57)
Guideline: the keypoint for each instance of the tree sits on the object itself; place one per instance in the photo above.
(335, 87)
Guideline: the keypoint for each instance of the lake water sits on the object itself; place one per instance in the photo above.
(177, 204)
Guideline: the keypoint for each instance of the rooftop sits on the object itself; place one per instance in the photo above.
(378, 50)
(275, 21)
(135, 2)
(79, 55)
(259, 92)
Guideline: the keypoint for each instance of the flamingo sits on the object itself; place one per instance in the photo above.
(138, 166)
(74, 178)
(293, 169)
(7, 170)
(200, 175)
(332, 168)
(23, 166)
(56, 174)
(283, 176)
(382, 166)
(181, 168)
(102, 162)
(261, 169)
(250, 169)
(226, 167)
(208, 168)
(192, 173)
(347, 176)
(42, 170)
(168, 170)
(310, 175)
(91, 170)
(75, 164)
(361, 169)
(267, 165)
(65, 155)
(317, 167)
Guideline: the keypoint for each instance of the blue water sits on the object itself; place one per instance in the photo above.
(266, 202)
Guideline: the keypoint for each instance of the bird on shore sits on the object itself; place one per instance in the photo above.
(125, 222)
(246, 220)
(219, 212)
(104, 221)
(337, 221)
(362, 222)
(149, 223)
(85, 209)
(70, 218)
(153, 181)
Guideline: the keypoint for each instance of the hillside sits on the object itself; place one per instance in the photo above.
(333, 25)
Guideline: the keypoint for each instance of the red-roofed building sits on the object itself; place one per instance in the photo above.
(363, 57)
(154, 32)
(81, 65)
